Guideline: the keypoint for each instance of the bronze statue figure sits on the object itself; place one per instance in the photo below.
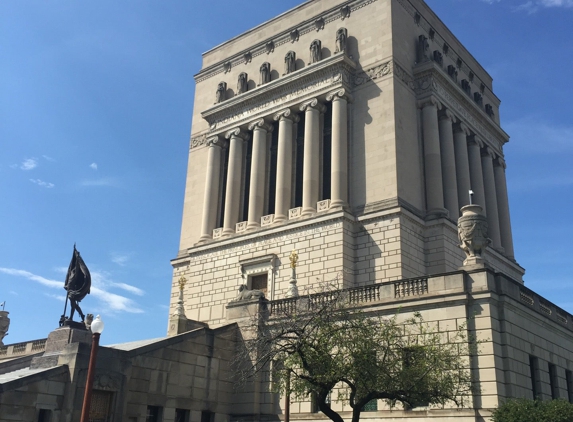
(78, 283)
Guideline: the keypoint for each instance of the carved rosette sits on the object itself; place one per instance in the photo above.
(472, 233)
(4, 325)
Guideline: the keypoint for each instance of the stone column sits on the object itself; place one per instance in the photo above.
(311, 162)
(234, 172)
(461, 132)
(339, 149)
(503, 207)
(258, 169)
(432, 158)
(211, 198)
(284, 164)
(476, 175)
(491, 197)
(447, 119)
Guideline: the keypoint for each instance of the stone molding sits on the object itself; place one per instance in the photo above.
(334, 72)
(197, 141)
(216, 141)
(237, 132)
(461, 127)
(372, 73)
(312, 103)
(260, 124)
(290, 35)
(447, 114)
(339, 94)
(430, 101)
(430, 80)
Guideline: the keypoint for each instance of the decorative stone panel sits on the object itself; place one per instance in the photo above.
(241, 227)
(322, 206)
(267, 220)
(217, 233)
(294, 213)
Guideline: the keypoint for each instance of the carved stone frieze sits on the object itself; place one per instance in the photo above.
(290, 90)
(198, 141)
(107, 381)
(375, 72)
(289, 35)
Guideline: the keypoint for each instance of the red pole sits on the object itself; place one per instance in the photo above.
(89, 382)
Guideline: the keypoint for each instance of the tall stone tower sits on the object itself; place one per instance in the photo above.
(349, 131)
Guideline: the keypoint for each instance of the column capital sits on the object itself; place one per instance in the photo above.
(260, 124)
(339, 94)
(237, 133)
(430, 101)
(216, 141)
(447, 114)
(286, 114)
(475, 140)
(499, 161)
(313, 103)
(487, 151)
(461, 127)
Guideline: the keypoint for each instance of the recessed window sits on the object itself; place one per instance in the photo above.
(154, 414)
(260, 282)
(182, 415)
(534, 373)
(207, 416)
(44, 415)
(553, 381)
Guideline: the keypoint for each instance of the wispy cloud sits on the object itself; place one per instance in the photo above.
(534, 135)
(100, 182)
(120, 258)
(61, 298)
(101, 285)
(42, 183)
(533, 6)
(29, 164)
(93, 166)
(48, 158)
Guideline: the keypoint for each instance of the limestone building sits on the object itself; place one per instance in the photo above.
(351, 132)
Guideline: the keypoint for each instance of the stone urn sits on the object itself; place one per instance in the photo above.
(472, 232)
(4, 324)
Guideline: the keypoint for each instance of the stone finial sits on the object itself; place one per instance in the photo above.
(472, 232)
(293, 289)
(4, 325)
(180, 308)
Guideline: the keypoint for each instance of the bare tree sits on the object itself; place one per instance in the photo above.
(318, 343)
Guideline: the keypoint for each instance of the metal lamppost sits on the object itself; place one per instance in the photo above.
(96, 328)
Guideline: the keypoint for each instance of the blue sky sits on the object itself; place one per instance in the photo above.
(95, 107)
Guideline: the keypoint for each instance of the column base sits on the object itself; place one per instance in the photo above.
(251, 225)
(338, 203)
(205, 238)
(279, 218)
(436, 213)
(228, 232)
(308, 212)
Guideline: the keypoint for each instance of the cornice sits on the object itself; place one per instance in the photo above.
(290, 35)
(429, 79)
(314, 80)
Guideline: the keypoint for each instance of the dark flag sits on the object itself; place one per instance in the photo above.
(78, 284)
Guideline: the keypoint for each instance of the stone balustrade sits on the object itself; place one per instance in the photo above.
(15, 350)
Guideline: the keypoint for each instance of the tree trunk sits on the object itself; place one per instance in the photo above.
(327, 410)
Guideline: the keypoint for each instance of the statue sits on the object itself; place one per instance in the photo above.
(221, 91)
(88, 321)
(472, 232)
(290, 65)
(4, 325)
(242, 83)
(293, 289)
(246, 294)
(422, 49)
(265, 73)
(78, 283)
(293, 259)
(341, 37)
(315, 51)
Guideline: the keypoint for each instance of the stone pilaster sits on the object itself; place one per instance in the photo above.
(503, 206)
(339, 150)
(234, 171)
(311, 162)
(476, 174)
(211, 198)
(432, 158)
(258, 171)
(450, 185)
(461, 132)
(491, 197)
(284, 164)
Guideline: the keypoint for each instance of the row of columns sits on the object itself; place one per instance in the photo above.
(312, 109)
(457, 161)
